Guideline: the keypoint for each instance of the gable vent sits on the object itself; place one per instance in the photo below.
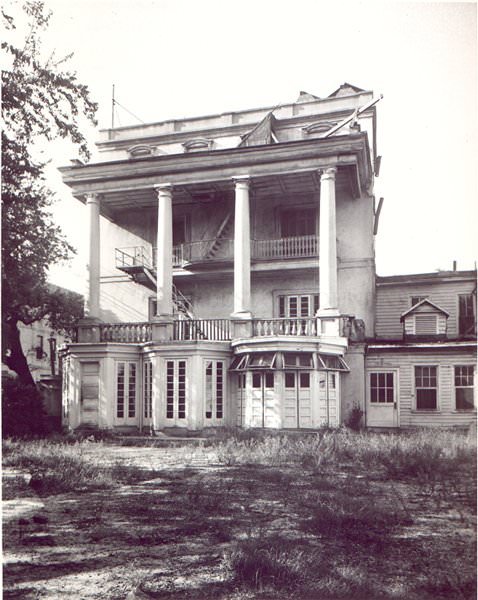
(425, 324)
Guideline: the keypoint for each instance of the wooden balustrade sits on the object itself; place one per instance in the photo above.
(202, 329)
(125, 332)
(292, 247)
(216, 329)
(297, 326)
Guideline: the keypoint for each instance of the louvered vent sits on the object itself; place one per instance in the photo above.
(425, 324)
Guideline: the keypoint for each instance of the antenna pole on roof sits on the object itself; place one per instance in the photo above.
(113, 108)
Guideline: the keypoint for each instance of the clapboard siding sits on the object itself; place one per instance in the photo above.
(405, 362)
(394, 299)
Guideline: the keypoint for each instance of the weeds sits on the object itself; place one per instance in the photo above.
(56, 468)
(259, 563)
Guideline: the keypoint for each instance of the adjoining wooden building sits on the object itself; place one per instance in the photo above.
(232, 281)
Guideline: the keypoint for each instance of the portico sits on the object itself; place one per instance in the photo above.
(227, 256)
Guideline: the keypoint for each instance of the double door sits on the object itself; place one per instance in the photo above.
(265, 405)
(297, 400)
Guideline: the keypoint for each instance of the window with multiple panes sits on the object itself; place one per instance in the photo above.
(126, 390)
(298, 222)
(381, 388)
(214, 389)
(466, 314)
(426, 387)
(148, 389)
(464, 390)
(417, 299)
(299, 360)
(298, 305)
(176, 389)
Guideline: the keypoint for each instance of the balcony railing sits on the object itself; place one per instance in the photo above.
(292, 247)
(134, 256)
(217, 329)
(125, 332)
(269, 327)
(202, 329)
(218, 249)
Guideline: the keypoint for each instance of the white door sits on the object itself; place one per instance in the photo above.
(297, 399)
(264, 401)
(329, 398)
(382, 405)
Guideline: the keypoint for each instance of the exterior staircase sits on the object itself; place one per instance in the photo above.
(220, 245)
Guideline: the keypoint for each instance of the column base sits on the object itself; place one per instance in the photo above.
(88, 330)
(241, 325)
(162, 328)
(328, 322)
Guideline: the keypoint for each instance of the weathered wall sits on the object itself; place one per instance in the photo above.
(353, 383)
(446, 414)
(120, 300)
(394, 300)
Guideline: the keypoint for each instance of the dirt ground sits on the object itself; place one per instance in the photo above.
(165, 535)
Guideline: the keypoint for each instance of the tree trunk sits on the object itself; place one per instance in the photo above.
(13, 355)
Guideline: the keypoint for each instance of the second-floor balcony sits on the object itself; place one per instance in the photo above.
(192, 330)
(220, 249)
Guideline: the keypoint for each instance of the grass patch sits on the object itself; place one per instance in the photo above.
(56, 468)
(329, 515)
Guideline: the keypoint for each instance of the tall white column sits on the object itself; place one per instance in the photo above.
(328, 245)
(92, 304)
(164, 259)
(242, 249)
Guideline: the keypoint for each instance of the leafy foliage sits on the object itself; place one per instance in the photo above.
(41, 101)
(22, 411)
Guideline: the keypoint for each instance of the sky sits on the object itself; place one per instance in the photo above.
(178, 58)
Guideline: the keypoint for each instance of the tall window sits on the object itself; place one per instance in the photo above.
(426, 388)
(148, 389)
(214, 389)
(126, 390)
(298, 221)
(464, 387)
(176, 389)
(466, 314)
(298, 305)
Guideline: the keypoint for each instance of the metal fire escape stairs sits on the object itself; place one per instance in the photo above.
(140, 270)
(216, 247)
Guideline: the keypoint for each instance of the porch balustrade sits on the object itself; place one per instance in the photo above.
(125, 332)
(296, 326)
(214, 329)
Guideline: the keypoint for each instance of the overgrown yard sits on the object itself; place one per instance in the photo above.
(334, 515)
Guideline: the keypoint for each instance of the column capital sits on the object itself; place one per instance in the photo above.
(92, 197)
(163, 189)
(328, 172)
(242, 181)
